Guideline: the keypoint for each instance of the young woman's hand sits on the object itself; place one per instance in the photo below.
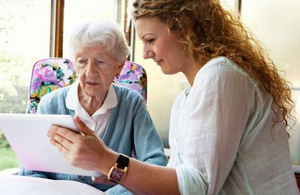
(84, 150)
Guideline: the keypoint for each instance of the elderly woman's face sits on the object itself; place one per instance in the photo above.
(96, 69)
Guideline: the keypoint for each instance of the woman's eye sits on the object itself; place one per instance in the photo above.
(81, 62)
(101, 64)
(150, 41)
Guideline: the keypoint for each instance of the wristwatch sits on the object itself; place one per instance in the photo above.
(118, 171)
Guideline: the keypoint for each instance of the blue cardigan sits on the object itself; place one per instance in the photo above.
(130, 130)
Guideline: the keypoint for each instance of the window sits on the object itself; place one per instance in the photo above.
(78, 11)
(25, 38)
(24, 33)
(275, 23)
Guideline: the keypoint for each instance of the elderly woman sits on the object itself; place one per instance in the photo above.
(116, 114)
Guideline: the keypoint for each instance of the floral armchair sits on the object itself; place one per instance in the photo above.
(48, 75)
(134, 77)
(53, 73)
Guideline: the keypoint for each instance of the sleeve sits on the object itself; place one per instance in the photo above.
(42, 109)
(54, 102)
(118, 190)
(45, 106)
(147, 143)
(32, 173)
(219, 107)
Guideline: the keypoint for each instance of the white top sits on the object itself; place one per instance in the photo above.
(221, 139)
(99, 120)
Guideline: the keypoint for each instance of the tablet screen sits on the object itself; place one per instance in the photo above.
(27, 135)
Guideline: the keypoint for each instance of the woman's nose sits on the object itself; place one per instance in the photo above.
(148, 54)
(90, 70)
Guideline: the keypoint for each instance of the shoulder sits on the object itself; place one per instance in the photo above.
(222, 71)
(54, 102)
(220, 66)
(221, 77)
(129, 100)
(126, 94)
(57, 94)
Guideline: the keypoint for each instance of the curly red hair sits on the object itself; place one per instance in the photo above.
(210, 31)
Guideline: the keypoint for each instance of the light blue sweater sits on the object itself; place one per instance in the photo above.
(130, 129)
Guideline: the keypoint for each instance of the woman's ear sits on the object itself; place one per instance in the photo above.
(120, 68)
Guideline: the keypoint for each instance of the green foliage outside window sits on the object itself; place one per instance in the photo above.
(13, 99)
(14, 72)
(8, 158)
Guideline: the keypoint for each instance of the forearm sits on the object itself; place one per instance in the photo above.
(143, 178)
(90, 153)
(150, 179)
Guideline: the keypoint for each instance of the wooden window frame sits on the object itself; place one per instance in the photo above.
(57, 26)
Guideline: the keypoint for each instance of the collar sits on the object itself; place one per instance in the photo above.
(72, 101)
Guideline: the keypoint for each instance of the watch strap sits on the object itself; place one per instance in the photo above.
(122, 161)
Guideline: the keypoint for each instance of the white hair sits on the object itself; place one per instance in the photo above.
(102, 33)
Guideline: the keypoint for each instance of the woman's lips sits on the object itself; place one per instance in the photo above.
(159, 62)
(92, 83)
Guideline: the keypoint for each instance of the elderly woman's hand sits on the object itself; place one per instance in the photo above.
(102, 179)
(84, 150)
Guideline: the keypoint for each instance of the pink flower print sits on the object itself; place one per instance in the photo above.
(47, 75)
(35, 84)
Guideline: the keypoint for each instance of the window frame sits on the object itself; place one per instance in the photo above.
(57, 25)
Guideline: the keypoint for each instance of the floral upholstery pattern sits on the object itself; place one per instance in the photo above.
(53, 73)
(134, 77)
(48, 75)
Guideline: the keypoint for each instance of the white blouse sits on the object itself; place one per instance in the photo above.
(221, 136)
(99, 120)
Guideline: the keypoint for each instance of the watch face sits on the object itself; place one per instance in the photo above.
(117, 174)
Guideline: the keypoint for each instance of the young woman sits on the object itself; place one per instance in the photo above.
(228, 130)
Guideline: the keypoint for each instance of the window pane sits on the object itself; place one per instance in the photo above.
(24, 32)
(24, 39)
(78, 11)
(275, 23)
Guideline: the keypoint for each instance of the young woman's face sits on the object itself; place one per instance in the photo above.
(161, 45)
(96, 69)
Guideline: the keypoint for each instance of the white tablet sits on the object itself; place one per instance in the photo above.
(27, 135)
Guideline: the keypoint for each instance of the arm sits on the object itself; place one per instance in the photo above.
(143, 178)
(146, 142)
(32, 173)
